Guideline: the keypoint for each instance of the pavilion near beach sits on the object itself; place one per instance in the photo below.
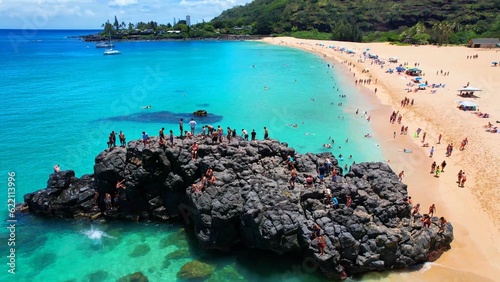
(484, 43)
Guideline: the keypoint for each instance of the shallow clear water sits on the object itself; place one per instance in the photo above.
(61, 97)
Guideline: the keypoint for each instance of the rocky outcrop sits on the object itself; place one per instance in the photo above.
(200, 113)
(65, 196)
(251, 202)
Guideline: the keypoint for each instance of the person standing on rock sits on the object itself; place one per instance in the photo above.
(401, 174)
(220, 132)
(171, 138)
(442, 224)
(432, 210)
(161, 133)
(194, 152)
(334, 174)
(290, 162)
(244, 134)
(145, 138)
(229, 131)
(293, 177)
(192, 124)
(416, 210)
(253, 134)
(122, 139)
(210, 129)
(321, 172)
(335, 202)
(107, 200)
(348, 201)
(321, 245)
(266, 133)
(426, 220)
(181, 126)
(309, 181)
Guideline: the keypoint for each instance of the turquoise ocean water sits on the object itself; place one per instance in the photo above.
(61, 97)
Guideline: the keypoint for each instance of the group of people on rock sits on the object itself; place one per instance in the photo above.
(207, 180)
(112, 139)
(426, 219)
(208, 131)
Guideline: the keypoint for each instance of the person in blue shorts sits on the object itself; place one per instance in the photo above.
(335, 202)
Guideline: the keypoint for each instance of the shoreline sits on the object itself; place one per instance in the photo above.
(475, 247)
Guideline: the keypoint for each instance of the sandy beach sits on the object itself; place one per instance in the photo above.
(473, 209)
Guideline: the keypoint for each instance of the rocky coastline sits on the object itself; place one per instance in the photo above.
(250, 202)
(230, 37)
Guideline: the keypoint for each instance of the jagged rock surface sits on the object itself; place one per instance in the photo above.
(251, 202)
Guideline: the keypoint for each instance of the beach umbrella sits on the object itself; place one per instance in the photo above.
(367, 49)
(418, 78)
(422, 85)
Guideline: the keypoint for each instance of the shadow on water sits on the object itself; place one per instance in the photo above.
(164, 117)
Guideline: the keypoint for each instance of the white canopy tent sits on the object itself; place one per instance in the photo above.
(469, 89)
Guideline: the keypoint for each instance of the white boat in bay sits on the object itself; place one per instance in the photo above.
(104, 45)
(111, 51)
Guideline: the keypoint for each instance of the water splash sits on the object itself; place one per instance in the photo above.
(426, 266)
(96, 235)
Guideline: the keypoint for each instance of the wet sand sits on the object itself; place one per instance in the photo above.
(473, 210)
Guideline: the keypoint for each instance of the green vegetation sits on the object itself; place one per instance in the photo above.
(405, 21)
(154, 31)
(395, 21)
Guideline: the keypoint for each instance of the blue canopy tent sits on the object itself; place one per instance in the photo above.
(400, 69)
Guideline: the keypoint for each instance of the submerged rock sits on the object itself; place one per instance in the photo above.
(251, 203)
(134, 277)
(195, 270)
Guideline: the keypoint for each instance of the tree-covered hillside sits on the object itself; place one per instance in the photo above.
(350, 19)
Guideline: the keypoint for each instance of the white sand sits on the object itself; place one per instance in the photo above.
(472, 210)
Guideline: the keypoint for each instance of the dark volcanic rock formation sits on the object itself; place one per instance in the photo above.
(251, 202)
